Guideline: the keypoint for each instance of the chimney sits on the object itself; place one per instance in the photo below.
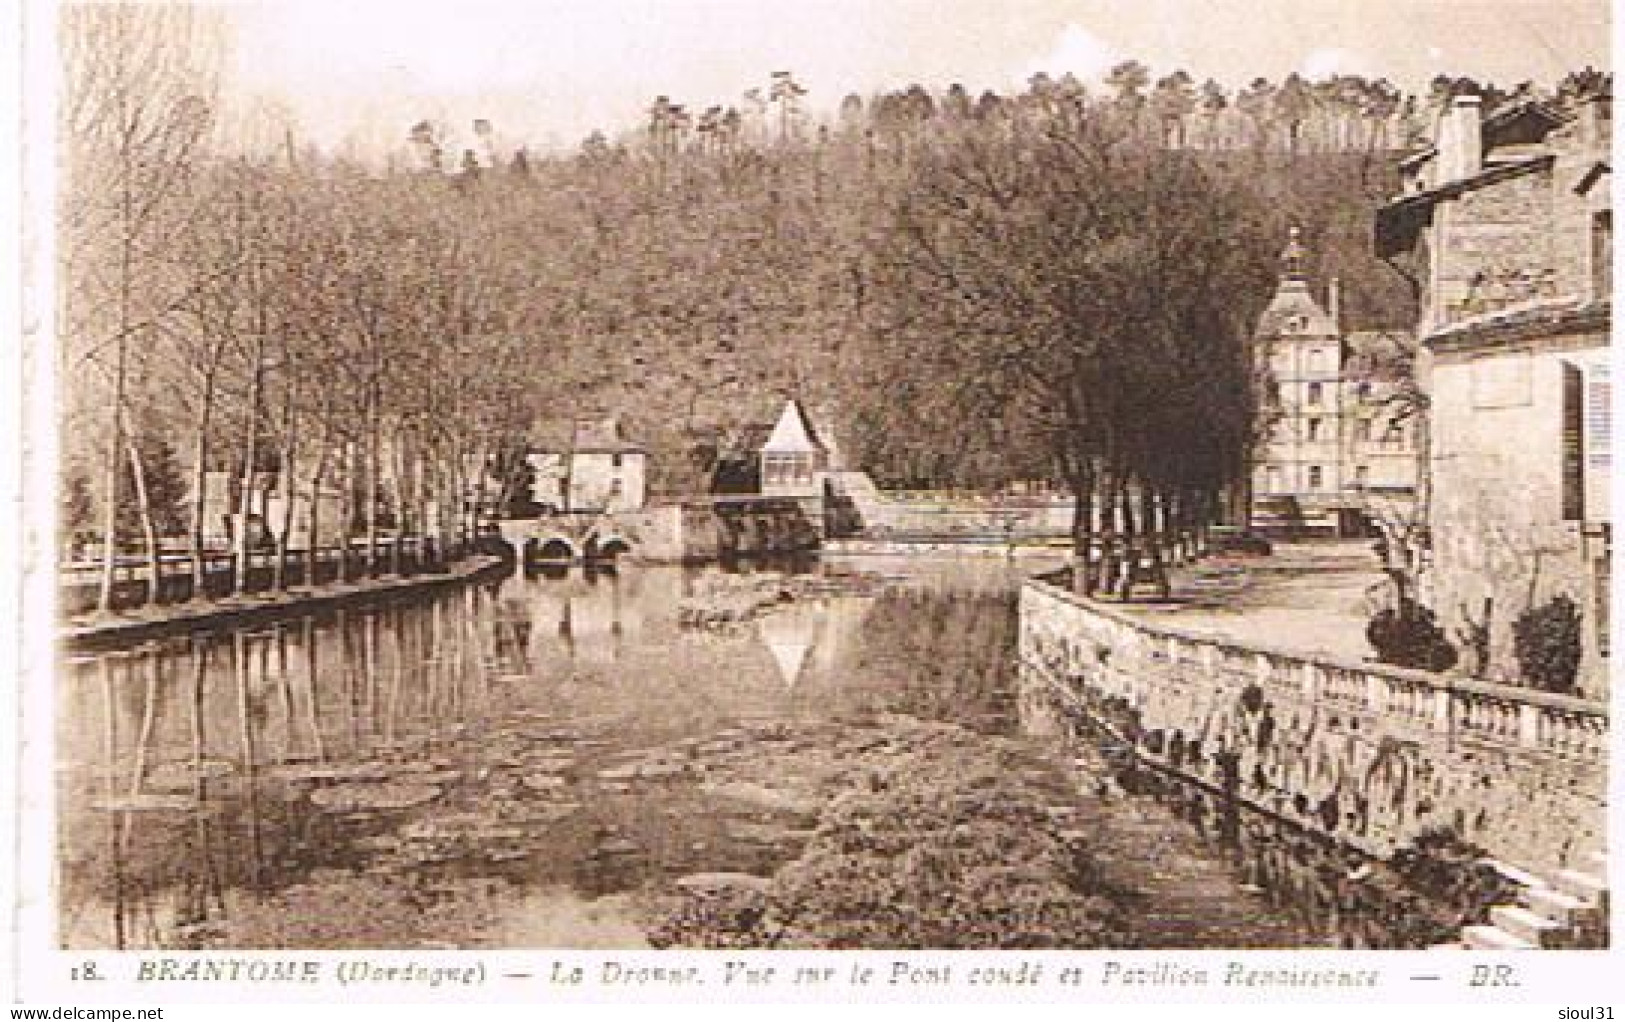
(1461, 139)
(1334, 304)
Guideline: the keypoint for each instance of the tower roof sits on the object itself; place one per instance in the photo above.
(1292, 257)
(793, 434)
(1294, 309)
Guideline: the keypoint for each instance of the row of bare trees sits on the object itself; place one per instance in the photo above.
(134, 115)
(1080, 292)
(285, 322)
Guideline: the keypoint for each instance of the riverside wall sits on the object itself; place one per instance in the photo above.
(1369, 754)
(98, 632)
(882, 514)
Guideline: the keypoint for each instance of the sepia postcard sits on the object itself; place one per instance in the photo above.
(858, 501)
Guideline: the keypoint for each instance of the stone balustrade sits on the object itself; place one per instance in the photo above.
(1372, 753)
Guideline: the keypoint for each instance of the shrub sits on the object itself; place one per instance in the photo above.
(1410, 637)
(1546, 641)
(1456, 885)
(1252, 698)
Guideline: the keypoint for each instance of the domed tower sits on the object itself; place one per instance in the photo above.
(1297, 464)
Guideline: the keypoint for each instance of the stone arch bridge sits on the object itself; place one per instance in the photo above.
(691, 528)
(576, 536)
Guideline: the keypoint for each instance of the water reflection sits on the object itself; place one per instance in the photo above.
(790, 635)
(200, 776)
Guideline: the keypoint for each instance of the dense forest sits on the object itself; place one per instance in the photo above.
(1058, 282)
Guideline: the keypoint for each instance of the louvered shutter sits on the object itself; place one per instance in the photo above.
(1598, 441)
(1573, 443)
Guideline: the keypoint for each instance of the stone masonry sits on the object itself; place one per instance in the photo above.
(1369, 754)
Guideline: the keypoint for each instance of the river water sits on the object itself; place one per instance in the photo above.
(514, 764)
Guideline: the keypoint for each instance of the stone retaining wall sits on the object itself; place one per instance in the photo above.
(1367, 753)
(881, 514)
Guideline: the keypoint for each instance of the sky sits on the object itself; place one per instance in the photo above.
(548, 72)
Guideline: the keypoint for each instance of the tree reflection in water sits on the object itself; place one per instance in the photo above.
(194, 774)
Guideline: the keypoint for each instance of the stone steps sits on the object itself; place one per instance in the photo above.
(1525, 924)
(1583, 884)
(1562, 908)
(1493, 938)
(1521, 877)
(1567, 912)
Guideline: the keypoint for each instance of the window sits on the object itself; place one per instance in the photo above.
(1312, 429)
(785, 468)
(1315, 477)
(1502, 379)
(1362, 430)
(1363, 392)
(1602, 254)
(1362, 475)
(1314, 393)
(615, 460)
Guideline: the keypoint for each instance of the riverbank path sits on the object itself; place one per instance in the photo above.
(1308, 597)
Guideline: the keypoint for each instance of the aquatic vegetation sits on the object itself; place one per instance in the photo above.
(935, 837)
(353, 798)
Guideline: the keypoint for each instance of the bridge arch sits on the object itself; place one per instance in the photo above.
(607, 546)
(553, 548)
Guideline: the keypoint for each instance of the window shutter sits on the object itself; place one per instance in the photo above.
(1600, 579)
(1602, 254)
(1598, 441)
(1573, 444)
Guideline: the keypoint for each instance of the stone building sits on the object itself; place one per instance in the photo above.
(1510, 220)
(587, 466)
(1340, 450)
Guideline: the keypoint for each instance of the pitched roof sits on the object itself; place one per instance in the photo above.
(599, 437)
(603, 436)
(1400, 222)
(794, 433)
(1520, 120)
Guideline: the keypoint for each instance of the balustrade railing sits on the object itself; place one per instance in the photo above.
(264, 570)
(1462, 709)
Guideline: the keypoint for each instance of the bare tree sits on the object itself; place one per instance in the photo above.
(138, 97)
